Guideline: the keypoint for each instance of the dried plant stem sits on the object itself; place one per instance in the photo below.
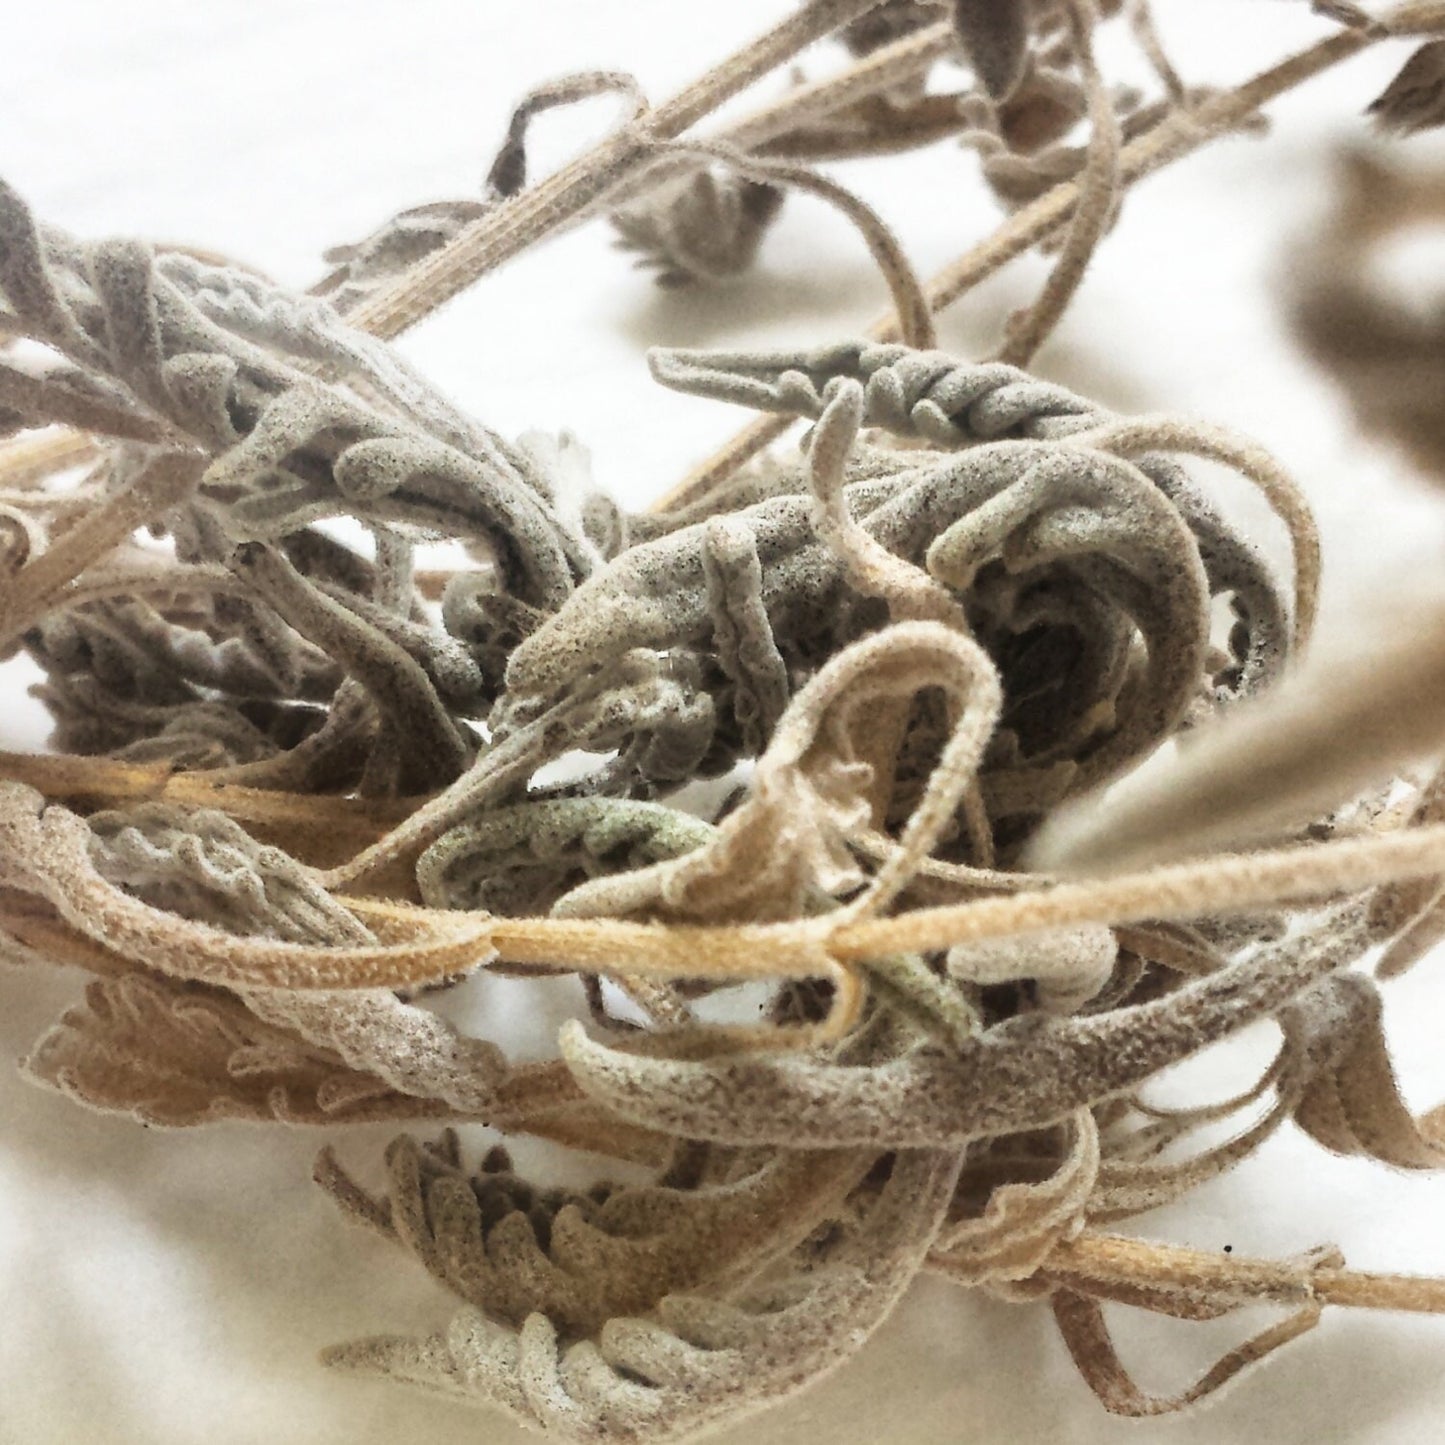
(541, 209)
(817, 947)
(1179, 134)
(1233, 884)
(886, 66)
(911, 310)
(1279, 489)
(1406, 1292)
(35, 926)
(32, 459)
(1115, 1259)
(1412, 17)
(1146, 36)
(139, 581)
(163, 482)
(924, 123)
(1098, 192)
(736, 452)
(108, 781)
(442, 943)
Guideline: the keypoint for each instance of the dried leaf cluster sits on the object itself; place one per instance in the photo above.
(298, 781)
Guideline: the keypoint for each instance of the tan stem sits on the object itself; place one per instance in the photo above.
(911, 311)
(1179, 134)
(700, 483)
(163, 482)
(822, 947)
(1233, 884)
(434, 944)
(1098, 189)
(1176, 136)
(32, 459)
(109, 781)
(777, 121)
(1114, 1259)
(540, 209)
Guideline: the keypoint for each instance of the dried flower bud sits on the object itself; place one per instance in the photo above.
(705, 229)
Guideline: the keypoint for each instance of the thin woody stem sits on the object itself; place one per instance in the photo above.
(114, 782)
(526, 218)
(885, 66)
(161, 483)
(31, 459)
(1235, 883)
(430, 944)
(910, 305)
(781, 128)
(1115, 1259)
(1179, 134)
(819, 947)
(813, 947)
(1098, 189)
(736, 452)
(773, 123)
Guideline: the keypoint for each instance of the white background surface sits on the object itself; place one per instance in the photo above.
(166, 1288)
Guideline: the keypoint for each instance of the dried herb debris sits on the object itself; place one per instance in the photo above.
(299, 781)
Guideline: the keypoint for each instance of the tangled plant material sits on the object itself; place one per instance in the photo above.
(302, 782)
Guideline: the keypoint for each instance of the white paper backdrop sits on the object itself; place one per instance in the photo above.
(163, 1288)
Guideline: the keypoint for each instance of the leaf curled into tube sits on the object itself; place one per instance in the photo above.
(994, 35)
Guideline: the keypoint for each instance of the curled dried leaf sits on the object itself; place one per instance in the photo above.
(994, 36)
(1415, 99)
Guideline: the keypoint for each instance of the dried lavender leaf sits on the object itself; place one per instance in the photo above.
(513, 1251)
(1025, 1073)
(703, 1360)
(994, 35)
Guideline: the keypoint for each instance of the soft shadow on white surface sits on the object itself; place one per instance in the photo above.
(167, 1288)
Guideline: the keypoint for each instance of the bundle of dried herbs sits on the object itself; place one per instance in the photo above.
(302, 779)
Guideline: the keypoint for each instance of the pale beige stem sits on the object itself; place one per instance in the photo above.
(886, 66)
(163, 482)
(1098, 191)
(700, 483)
(162, 576)
(1180, 133)
(1114, 1259)
(430, 944)
(1173, 138)
(910, 306)
(108, 780)
(1233, 884)
(524, 219)
(824, 947)
(31, 459)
